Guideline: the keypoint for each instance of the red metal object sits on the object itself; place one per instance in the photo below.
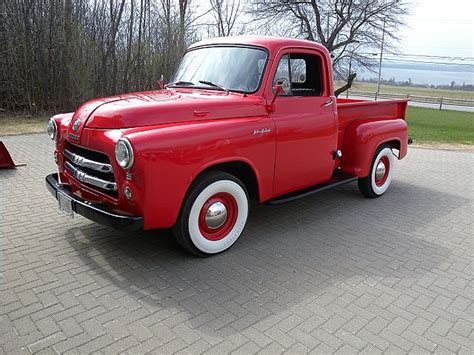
(232, 210)
(177, 133)
(386, 162)
(6, 161)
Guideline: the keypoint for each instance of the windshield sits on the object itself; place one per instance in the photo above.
(224, 68)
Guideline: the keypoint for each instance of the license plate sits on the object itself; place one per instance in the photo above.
(65, 204)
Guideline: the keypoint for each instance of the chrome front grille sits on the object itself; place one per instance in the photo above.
(87, 163)
(89, 179)
(91, 168)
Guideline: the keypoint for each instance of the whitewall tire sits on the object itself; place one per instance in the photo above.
(213, 215)
(381, 172)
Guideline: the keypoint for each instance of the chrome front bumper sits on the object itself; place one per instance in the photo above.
(97, 213)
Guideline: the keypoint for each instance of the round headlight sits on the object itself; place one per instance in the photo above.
(52, 129)
(124, 153)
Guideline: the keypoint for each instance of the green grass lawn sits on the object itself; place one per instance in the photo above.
(428, 126)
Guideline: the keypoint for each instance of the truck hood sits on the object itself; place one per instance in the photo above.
(163, 107)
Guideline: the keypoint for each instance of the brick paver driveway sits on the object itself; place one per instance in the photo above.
(333, 272)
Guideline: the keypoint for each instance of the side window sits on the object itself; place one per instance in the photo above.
(282, 75)
(303, 72)
(306, 78)
(298, 71)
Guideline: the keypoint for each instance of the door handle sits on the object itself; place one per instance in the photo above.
(327, 103)
(200, 113)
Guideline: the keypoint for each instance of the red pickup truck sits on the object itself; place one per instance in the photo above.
(243, 117)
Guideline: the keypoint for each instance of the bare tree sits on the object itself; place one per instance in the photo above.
(336, 24)
(67, 82)
(225, 15)
(183, 9)
(128, 60)
(56, 54)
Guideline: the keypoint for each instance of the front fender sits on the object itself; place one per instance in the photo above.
(169, 157)
(362, 138)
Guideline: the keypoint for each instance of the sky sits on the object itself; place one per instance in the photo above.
(439, 27)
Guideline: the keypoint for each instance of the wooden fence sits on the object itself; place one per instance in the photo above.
(439, 101)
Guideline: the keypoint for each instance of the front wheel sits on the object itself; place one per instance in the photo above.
(380, 174)
(213, 215)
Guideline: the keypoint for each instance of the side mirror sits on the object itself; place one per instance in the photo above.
(278, 91)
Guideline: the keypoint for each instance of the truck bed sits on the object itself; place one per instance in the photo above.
(350, 110)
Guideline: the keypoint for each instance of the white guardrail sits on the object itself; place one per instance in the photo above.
(415, 98)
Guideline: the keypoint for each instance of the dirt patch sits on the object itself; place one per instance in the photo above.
(14, 125)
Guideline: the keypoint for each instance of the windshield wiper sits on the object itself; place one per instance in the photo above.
(180, 83)
(210, 83)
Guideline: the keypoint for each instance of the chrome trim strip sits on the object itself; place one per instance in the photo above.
(84, 177)
(87, 163)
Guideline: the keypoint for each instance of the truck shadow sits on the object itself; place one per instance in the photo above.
(292, 258)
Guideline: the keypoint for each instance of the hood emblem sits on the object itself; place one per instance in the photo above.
(76, 124)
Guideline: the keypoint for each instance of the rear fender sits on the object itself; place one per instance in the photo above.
(362, 138)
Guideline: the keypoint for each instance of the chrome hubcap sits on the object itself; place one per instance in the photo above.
(380, 171)
(216, 215)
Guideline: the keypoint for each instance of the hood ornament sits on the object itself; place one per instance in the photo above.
(76, 124)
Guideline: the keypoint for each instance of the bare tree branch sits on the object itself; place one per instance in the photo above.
(336, 24)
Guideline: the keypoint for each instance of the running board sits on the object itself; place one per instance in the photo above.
(339, 179)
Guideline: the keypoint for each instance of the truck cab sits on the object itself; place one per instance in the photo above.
(243, 117)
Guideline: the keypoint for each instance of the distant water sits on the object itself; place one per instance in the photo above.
(420, 76)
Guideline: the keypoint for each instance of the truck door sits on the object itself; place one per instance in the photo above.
(305, 122)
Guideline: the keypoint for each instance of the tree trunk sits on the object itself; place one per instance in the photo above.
(183, 6)
(67, 65)
(347, 86)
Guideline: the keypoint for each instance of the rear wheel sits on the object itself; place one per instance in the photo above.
(380, 174)
(213, 215)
